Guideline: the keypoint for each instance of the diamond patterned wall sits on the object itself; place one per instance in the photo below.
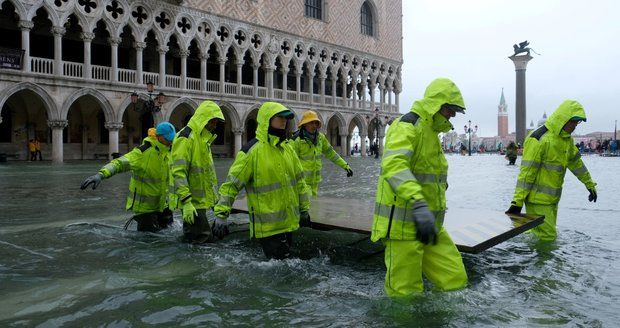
(341, 27)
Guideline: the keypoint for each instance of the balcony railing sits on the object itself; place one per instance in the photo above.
(126, 75)
(42, 65)
(72, 69)
(150, 77)
(101, 72)
(104, 73)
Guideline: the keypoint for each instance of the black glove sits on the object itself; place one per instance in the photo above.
(514, 209)
(349, 172)
(220, 228)
(94, 179)
(304, 219)
(592, 197)
(426, 231)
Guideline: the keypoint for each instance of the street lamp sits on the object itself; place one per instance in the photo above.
(469, 131)
(377, 119)
(152, 103)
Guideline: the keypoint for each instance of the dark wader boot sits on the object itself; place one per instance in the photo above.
(277, 246)
(199, 232)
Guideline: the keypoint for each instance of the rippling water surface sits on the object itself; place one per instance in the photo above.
(65, 260)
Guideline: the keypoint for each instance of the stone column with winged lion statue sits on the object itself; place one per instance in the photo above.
(520, 58)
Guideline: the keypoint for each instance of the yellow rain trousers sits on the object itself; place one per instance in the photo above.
(407, 260)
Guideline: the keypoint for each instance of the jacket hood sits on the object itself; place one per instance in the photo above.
(207, 111)
(440, 91)
(567, 110)
(155, 143)
(265, 113)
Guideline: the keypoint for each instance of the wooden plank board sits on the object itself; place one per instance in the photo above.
(471, 230)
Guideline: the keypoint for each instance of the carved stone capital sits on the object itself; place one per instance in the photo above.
(57, 124)
(238, 131)
(58, 30)
(25, 25)
(222, 61)
(114, 41)
(162, 50)
(184, 53)
(87, 36)
(113, 126)
(139, 45)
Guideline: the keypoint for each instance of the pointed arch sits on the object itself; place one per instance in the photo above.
(19, 8)
(100, 97)
(51, 107)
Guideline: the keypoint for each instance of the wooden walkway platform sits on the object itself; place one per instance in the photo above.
(471, 230)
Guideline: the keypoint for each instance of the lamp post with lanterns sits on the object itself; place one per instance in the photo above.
(378, 123)
(469, 131)
(152, 102)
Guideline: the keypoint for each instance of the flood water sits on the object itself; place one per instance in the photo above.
(65, 260)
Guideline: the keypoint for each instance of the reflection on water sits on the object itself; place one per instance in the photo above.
(65, 260)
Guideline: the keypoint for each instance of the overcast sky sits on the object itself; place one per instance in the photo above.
(469, 42)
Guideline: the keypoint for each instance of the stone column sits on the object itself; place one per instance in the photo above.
(298, 84)
(269, 80)
(284, 82)
(184, 53)
(343, 145)
(57, 127)
(239, 77)
(255, 79)
(162, 65)
(113, 128)
(380, 144)
(87, 38)
(396, 100)
(25, 27)
(334, 86)
(354, 93)
(372, 87)
(348, 146)
(114, 42)
(222, 62)
(381, 96)
(139, 47)
(238, 133)
(520, 63)
(203, 71)
(58, 32)
(311, 86)
(344, 93)
(322, 77)
(363, 144)
(364, 91)
(389, 93)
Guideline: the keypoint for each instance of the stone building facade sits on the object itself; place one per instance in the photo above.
(82, 60)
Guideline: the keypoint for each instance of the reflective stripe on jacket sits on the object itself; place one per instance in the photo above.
(192, 169)
(413, 167)
(310, 156)
(271, 174)
(548, 152)
(149, 165)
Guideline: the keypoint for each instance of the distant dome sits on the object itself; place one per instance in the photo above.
(542, 121)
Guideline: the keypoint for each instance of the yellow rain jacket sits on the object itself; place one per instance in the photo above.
(192, 169)
(148, 187)
(548, 152)
(414, 167)
(272, 176)
(310, 155)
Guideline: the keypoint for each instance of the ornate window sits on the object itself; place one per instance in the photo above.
(366, 20)
(314, 9)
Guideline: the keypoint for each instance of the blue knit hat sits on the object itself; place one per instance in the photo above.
(166, 130)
